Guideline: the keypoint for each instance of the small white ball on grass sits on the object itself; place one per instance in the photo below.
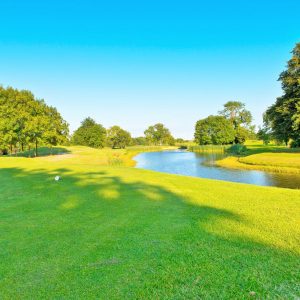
(56, 178)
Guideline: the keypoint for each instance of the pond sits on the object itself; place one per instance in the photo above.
(202, 165)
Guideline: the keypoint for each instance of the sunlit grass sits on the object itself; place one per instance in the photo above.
(271, 158)
(115, 232)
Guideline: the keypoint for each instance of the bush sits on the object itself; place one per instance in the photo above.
(237, 149)
(295, 144)
(183, 147)
(3, 152)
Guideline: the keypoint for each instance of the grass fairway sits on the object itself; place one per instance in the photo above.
(109, 231)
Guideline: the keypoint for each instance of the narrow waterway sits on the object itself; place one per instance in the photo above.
(202, 165)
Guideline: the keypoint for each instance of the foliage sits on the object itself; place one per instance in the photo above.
(240, 118)
(237, 149)
(118, 137)
(90, 134)
(284, 115)
(235, 112)
(241, 134)
(216, 130)
(158, 134)
(139, 141)
(28, 122)
(264, 134)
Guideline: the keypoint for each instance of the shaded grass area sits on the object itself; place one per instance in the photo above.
(42, 151)
(121, 233)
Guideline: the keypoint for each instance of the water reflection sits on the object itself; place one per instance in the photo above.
(202, 165)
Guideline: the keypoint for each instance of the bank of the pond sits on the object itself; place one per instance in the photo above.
(250, 163)
(206, 165)
(255, 156)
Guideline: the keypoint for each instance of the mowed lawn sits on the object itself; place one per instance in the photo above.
(108, 231)
(291, 160)
(272, 158)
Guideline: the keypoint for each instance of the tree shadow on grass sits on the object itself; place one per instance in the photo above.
(93, 235)
(42, 151)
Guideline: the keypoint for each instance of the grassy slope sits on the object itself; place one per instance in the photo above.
(117, 232)
(271, 158)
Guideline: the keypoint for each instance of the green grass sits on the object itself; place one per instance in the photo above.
(291, 160)
(116, 232)
(271, 158)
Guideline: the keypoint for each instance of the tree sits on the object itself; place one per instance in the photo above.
(25, 120)
(284, 115)
(240, 118)
(158, 134)
(118, 137)
(90, 134)
(57, 129)
(235, 112)
(264, 134)
(216, 130)
(139, 141)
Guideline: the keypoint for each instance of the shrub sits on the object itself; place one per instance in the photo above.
(237, 149)
(295, 144)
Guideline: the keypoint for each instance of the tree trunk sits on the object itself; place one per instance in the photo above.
(36, 148)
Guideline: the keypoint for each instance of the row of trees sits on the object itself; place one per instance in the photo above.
(27, 122)
(95, 135)
(232, 125)
(282, 119)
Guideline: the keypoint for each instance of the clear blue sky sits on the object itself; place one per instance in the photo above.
(135, 63)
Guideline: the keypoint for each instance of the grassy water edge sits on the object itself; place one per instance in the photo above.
(110, 231)
(233, 162)
(272, 158)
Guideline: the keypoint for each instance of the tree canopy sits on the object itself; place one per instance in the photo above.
(158, 134)
(235, 112)
(284, 115)
(90, 134)
(216, 130)
(28, 122)
(118, 137)
(240, 119)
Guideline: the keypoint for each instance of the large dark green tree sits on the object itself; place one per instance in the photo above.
(90, 134)
(118, 137)
(158, 134)
(284, 115)
(214, 130)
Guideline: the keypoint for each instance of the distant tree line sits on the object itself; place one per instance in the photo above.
(94, 135)
(27, 122)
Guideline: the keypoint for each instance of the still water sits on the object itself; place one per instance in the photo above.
(202, 165)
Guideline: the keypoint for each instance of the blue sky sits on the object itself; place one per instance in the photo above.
(136, 63)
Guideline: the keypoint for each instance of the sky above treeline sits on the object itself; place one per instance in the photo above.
(136, 63)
